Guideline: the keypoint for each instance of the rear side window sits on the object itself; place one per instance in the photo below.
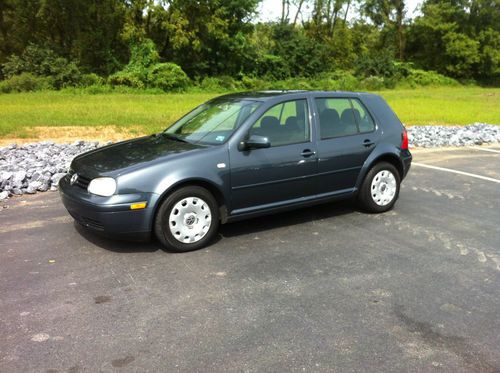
(342, 117)
(284, 124)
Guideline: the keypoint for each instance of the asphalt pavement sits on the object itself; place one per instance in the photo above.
(327, 288)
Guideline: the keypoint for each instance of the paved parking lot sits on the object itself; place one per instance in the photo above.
(321, 289)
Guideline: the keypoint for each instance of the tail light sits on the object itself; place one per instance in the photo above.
(404, 140)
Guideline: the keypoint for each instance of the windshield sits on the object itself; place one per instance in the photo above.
(212, 123)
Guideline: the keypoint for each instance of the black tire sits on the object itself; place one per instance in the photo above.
(365, 197)
(162, 229)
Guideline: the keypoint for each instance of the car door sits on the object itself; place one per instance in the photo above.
(347, 134)
(282, 173)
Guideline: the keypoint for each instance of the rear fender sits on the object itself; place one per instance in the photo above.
(386, 152)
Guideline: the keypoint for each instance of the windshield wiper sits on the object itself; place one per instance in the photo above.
(172, 137)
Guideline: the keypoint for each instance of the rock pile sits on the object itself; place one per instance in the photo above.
(474, 134)
(36, 167)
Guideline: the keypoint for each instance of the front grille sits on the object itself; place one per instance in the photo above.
(82, 182)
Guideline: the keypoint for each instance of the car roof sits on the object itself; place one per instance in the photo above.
(271, 94)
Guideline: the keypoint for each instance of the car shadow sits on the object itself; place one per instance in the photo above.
(115, 244)
(289, 218)
(254, 225)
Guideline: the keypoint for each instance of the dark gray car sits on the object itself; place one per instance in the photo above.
(240, 156)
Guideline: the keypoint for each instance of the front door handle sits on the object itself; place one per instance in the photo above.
(367, 143)
(308, 153)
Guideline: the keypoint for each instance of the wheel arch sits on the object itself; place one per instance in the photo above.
(392, 159)
(206, 184)
(389, 157)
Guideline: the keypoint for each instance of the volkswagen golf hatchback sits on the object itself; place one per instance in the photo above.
(240, 156)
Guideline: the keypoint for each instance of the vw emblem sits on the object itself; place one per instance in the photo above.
(73, 179)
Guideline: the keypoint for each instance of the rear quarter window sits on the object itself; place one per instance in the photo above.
(382, 111)
(365, 121)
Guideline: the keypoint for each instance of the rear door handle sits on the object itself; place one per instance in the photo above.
(368, 143)
(308, 153)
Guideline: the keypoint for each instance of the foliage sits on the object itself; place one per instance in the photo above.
(378, 65)
(457, 38)
(145, 71)
(128, 77)
(25, 82)
(372, 83)
(220, 83)
(122, 40)
(423, 78)
(167, 76)
(88, 80)
(43, 62)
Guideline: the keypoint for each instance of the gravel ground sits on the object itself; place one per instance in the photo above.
(38, 167)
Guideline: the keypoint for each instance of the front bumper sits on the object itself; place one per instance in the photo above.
(109, 216)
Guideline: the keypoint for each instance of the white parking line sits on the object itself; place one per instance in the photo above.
(485, 149)
(456, 172)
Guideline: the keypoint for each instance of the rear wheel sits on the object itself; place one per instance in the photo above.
(187, 220)
(380, 189)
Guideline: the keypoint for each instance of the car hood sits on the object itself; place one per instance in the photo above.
(127, 154)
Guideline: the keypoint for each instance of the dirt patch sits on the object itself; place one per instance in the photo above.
(64, 134)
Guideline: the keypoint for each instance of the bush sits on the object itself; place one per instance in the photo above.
(272, 67)
(128, 78)
(43, 62)
(219, 83)
(337, 80)
(25, 82)
(425, 78)
(90, 80)
(379, 65)
(372, 83)
(167, 76)
(252, 83)
(65, 74)
(144, 70)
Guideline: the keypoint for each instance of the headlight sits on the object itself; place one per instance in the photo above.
(102, 186)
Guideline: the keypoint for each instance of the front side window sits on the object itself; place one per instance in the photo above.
(342, 117)
(214, 122)
(284, 124)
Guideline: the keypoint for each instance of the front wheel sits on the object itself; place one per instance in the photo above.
(187, 220)
(380, 189)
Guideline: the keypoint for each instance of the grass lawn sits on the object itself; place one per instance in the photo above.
(64, 115)
(445, 106)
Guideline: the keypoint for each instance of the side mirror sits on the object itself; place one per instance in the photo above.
(255, 142)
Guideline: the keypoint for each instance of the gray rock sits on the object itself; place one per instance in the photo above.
(4, 195)
(33, 187)
(56, 177)
(44, 162)
(5, 175)
(45, 186)
(474, 134)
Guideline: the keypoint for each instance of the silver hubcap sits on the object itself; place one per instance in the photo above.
(190, 219)
(383, 188)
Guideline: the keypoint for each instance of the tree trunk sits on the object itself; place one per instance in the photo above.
(299, 8)
(400, 13)
(347, 10)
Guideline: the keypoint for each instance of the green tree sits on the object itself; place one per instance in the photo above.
(458, 38)
(389, 14)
